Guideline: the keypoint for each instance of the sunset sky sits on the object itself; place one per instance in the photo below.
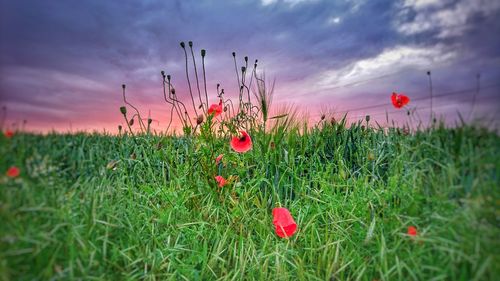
(62, 63)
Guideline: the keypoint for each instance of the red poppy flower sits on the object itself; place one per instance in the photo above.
(241, 143)
(412, 231)
(399, 100)
(218, 159)
(8, 134)
(220, 181)
(215, 109)
(283, 222)
(13, 172)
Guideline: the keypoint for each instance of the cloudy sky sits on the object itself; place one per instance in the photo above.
(62, 63)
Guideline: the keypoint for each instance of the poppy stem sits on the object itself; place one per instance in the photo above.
(478, 85)
(187, 77)
(141, 124)
(430, 91)
(196, 76)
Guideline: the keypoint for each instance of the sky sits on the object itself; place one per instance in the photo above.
(62, 63)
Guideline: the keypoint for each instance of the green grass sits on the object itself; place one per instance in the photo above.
(353, 192)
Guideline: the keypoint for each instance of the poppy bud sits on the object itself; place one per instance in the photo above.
(246, 59)
(219, 158)
(243, 69)
(131, 122)
(218, 85)
(172, 91)
(162, 73)
(120, 128)
(123, 86)
(190, 43)
(256, 61)
(168, 77)
(150, 121)
(225, 108)
(123, 110)
(428, 72)
(183, 45)
(234, 54)
(201, 105)
(323, 117)
(199, 119)
(367, 118)
(203, 52)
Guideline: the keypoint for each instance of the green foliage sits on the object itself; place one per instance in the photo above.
(147, 207)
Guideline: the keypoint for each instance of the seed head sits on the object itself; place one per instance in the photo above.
(150, 121)
(243, 69)
(168, 77)
(203, 52)
(163, 73)
(123, 110)
(199, 119)
(183, 45)
(172, 91)
(371, 156)
(234, 54)
(246, 59)
(367, 118)
(123, 86)
(190, 43)
(120, 128)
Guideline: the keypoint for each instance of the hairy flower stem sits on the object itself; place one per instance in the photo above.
(187, 77)
(204, 75)
(197, 81)
(174, 98)
(169, 102)
(430, 90)
(141, 124)
(4, 116)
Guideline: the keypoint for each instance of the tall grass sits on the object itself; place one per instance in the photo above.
(90, 206)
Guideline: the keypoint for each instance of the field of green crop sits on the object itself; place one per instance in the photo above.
(104, 207)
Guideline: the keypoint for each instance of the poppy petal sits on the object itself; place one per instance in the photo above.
(13, 172)
(283, 222)
(220, 181)
(241, 144)
(412, 231)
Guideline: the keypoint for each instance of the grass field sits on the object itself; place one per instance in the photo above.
(103, 207)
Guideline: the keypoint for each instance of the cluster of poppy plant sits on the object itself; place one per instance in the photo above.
(284, 224)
